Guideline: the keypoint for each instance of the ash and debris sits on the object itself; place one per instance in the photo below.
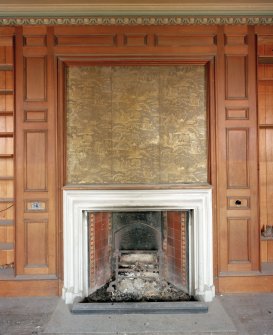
(139, 289)
(138, 278)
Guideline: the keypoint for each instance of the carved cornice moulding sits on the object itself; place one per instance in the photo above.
(138, 20)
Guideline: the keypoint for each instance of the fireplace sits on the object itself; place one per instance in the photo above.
(137, 213)
(139, 255)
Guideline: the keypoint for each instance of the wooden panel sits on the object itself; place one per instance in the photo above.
(264, 251)
(35, 116)
(238, 202)
(191, 40)
(6, 167)
(30, 288)
(33, 41)
(135, 39)
(266, 176)
(36, 254)
(6, 234)
(237, 158)
(36, 160)
(94, 40)
(253, 284)
(236, 77)
(238, 238)
(237, 113)
(270, 251)
(6, 188)
(35, 78)
(235, 39)
(265, 102)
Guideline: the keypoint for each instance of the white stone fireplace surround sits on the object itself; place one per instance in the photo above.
(76, 203)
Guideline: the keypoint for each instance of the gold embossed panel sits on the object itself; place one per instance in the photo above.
(136, 124)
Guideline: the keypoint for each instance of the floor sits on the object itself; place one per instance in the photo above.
(229, 314)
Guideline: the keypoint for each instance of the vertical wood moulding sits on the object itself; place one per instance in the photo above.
(54, 216)
(253, 152)
(19, 154)
(221, 154)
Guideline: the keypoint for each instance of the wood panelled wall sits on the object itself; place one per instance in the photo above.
(36, 165)
(237, 166)
(7, 226)
(229, 54)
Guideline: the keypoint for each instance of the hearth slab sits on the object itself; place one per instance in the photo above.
(181, 307)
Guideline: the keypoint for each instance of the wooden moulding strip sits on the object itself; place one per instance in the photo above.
(30, 288)
(249, 284)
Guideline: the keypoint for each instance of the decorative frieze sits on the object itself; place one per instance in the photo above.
(138, 20)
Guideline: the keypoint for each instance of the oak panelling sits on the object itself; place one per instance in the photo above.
(167, 40)
(35, 115)
(238, 228)
(35, 78)
(270, 251)
(6, 81)
(266, 177)
(237, 158)
(6, 167)
(240, 203)
(35, 41)
(23, 288)
(135, 40)
(131, 40)
(265, 71)
(238, 240)
(236, 77)
(6, 234)
(36, 193)
(6, 149)
(93, 40)
(36, 236)
(244, 284)
(6, 188)
(265, 103)
(237, 114)
(36, 160)
(236, 40)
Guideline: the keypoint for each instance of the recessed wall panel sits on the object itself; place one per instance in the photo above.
(237, 158)
(36, 244)
(36, 160)
(35, 78)
(236, 77)
(238, 240)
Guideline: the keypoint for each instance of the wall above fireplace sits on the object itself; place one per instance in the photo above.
(136, 124)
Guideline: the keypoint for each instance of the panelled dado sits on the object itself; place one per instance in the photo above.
(229, 55)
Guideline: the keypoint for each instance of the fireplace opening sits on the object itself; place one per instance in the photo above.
(139, 256)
